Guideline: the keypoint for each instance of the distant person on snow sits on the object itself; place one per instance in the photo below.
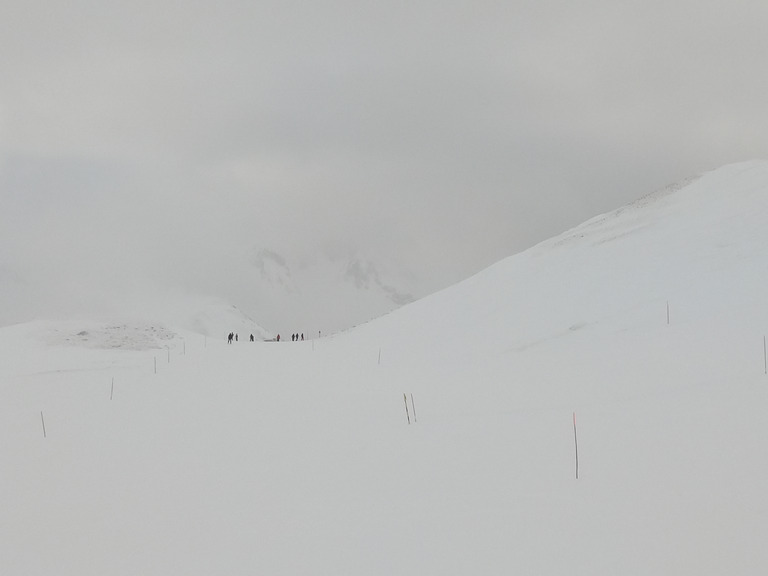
(235, 337)
(278, 337)
(229, 338)
(302, 336)
(251, 337)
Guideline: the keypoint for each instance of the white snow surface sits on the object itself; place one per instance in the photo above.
(297, 458)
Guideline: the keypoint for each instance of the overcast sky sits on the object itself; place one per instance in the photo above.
(169, 139)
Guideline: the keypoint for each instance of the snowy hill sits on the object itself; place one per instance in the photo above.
(209, 317)
(638, 336)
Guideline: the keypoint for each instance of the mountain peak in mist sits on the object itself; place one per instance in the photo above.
(319, 293)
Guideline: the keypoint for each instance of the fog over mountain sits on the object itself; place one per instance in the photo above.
(380, 152)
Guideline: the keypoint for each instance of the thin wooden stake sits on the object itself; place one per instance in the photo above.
(43, 421)
(765, 356)
(667, 312)
(407, 415)
(112, 391)
(414, 409)
(576, 443)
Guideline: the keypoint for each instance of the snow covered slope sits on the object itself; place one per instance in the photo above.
(198, 457)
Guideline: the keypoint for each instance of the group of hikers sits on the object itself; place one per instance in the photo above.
(232, 337)
(294, 337)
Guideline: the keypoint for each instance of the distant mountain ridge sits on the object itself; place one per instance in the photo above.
(352, 290)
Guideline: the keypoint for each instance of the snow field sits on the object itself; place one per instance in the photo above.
(296, 458)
